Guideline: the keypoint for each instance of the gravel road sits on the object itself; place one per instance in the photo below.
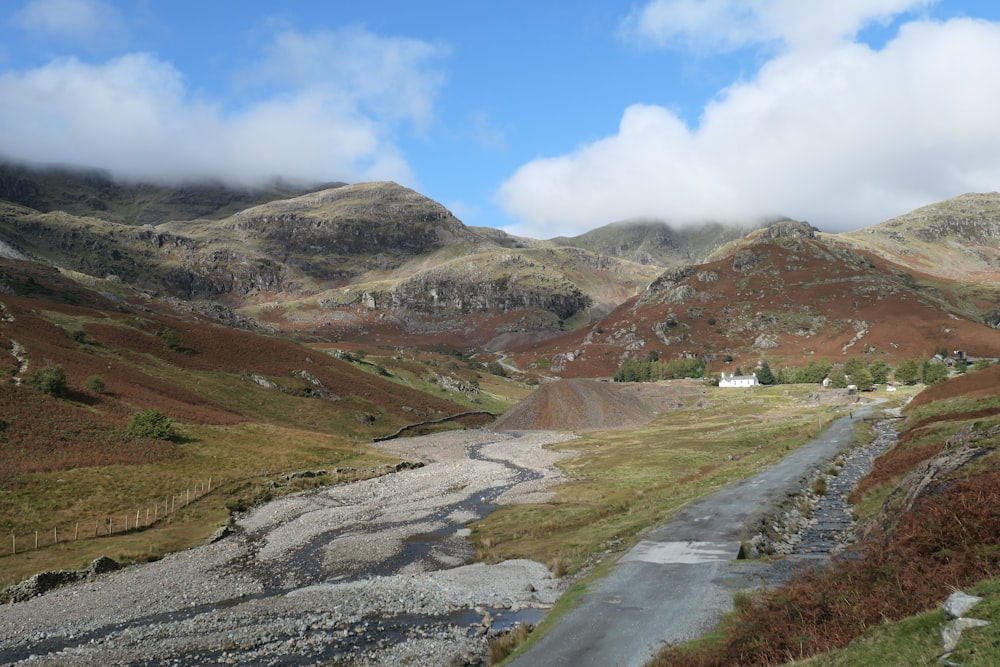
(374, 572)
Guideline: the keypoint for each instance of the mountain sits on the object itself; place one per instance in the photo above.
(785, 293)
(956, 239)
(341, 259)
(655, 242)
(95, 193)
(383, 264)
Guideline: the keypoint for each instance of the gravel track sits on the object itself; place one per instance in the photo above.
(375, 572)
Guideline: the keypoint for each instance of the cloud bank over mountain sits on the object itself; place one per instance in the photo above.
(829, 129)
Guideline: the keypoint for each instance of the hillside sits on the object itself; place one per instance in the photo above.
(243, 405)
(95, 193)
(786, 294)
(956, 239)
(354, 256)
(655, 242)
(379, 264)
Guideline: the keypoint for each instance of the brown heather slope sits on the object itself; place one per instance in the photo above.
(936, 532)
(784, 295)
(215, 376)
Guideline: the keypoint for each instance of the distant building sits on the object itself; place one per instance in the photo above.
(730, 380)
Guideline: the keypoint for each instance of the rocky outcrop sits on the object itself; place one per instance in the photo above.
(963, 447)
(788, 229)
(44, 582)
(454, 294)
(955, 609)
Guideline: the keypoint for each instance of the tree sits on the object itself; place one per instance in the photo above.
(933, 373)
(862, 377)
(838, 378)
(880, 371)
(170, 338)
(784, 376)
(764, 374)
(852, 366)
(150, 424)
(814, 372)
(496, 368)
(908, 372)
(50, 380)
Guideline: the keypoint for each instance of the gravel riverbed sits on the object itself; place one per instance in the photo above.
(376, 572)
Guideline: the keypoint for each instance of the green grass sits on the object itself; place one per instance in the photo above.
(916, 640)
(495, 394)
(241, 459)
(623, 481)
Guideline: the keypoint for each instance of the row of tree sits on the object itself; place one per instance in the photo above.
(855, 370)
(651, 369)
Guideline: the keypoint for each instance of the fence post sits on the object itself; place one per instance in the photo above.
(36, 539)
(76, 535)
(55, 535)
(13, 544)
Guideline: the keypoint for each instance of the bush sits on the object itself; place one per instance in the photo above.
(50, 380)
(95, 384)
(171, 338)
(151, 424)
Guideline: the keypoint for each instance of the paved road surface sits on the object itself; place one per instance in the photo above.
(676, 583)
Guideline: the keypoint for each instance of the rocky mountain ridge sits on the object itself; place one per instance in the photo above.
(382, 263)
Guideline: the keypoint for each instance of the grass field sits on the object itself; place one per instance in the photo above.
(623, 481)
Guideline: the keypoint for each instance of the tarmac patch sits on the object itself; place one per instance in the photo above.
(682, 552)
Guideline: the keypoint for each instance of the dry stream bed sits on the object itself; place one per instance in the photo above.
(374, 572)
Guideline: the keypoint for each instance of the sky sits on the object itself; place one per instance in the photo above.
(540, 118)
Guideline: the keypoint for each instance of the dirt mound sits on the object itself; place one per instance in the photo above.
(588, 405)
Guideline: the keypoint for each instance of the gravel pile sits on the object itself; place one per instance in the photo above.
(368, 573)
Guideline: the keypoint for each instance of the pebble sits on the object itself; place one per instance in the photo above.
(270, 593)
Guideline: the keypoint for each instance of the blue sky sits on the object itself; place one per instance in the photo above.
(542, 118)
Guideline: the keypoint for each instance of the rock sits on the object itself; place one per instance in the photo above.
(952, 632)
(103, 564)
(959, 603)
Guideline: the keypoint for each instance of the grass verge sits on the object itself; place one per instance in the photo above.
(623, 481)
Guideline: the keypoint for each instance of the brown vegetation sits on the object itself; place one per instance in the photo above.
(945, 539)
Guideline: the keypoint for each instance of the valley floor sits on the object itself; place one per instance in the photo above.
(370, 573)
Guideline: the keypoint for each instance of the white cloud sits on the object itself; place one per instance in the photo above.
(388, 77)
(135, 115)
(843, 138)
(84, 21)
(730, 24)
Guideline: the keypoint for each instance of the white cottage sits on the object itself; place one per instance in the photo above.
(731, 380)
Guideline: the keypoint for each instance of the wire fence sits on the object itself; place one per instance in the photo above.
(117, 523)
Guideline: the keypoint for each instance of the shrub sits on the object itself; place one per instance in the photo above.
(50, 380)
(151, 424)
(170, 338)
(95, 384)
